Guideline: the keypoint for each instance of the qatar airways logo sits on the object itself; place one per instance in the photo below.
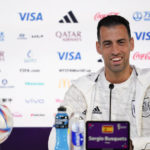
(98, 16)
(67, 36)
(141, 56)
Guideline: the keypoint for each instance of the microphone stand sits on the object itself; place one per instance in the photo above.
(111, 86)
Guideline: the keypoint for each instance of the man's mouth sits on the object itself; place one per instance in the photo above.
(116, 60)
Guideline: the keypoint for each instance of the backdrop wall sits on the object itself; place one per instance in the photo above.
(44, 44)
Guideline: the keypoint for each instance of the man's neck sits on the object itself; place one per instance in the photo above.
(118, 77)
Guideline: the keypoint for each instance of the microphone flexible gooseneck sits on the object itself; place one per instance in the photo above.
(111, 86)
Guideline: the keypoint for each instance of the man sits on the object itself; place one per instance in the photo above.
(131, 92)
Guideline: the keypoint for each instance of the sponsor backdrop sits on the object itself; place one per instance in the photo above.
(44, 44)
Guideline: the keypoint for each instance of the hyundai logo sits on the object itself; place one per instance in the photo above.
(137, 16)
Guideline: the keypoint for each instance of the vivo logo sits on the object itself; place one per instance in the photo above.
(69, 55)
(142, 35)
(35, 101)
(30, 16)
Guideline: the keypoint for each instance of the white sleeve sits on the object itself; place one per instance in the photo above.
(74, 101)
(141, 143)
(146, 114)
(52, 139)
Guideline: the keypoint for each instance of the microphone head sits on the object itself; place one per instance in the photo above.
(111, 86)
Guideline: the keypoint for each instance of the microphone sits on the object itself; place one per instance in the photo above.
(111, 86)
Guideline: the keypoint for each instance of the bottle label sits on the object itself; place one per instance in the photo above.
(77, 138)
(61, 121)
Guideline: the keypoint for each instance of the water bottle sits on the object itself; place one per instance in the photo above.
(61, 124)
(77, 129)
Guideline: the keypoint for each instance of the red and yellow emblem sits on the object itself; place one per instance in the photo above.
(107, 129)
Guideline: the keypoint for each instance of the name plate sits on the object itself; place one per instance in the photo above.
(106, 135)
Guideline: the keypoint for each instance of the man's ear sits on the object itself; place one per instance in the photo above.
(131, 44)
(98, 47)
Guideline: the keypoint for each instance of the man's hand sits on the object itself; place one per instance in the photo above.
(131, 145)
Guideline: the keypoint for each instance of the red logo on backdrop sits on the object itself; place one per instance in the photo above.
(2, 56)
(98, 16)
(59, 100)
(141, 56)
(37, 115)
(17, 114)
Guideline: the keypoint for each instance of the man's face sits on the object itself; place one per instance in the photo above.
(115, 46)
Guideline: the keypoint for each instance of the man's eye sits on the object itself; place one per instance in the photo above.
(107, 44)
(121, 42)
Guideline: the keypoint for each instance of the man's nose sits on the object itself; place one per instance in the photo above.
(115, 49)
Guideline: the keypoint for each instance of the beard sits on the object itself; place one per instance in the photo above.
(117, 68)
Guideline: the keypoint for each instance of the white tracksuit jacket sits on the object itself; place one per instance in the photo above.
(82, 92)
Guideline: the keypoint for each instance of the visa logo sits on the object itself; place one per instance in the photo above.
(27, 16)
(69, 55)
(142, 35)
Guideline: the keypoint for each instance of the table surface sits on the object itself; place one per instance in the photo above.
(29, 138)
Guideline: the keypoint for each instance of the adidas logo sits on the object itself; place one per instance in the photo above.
(84, 112)
(68, 18)
(96, 110)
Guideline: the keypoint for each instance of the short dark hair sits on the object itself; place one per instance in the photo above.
(112, 21)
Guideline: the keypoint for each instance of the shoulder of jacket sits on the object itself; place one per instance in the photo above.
(143, 76)
(86, 81)
(91, 77)
(143, 71)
